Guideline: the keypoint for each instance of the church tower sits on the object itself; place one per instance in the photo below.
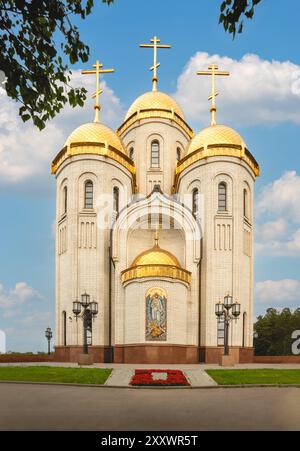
(95, 179)
(155, 224)
(219, 171)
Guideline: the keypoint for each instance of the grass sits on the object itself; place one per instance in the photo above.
(258, 376)
(54, 374)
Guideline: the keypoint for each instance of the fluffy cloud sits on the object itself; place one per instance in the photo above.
(279, 201)
(257, 91)
(26, 152)
(17, 296)
(282, 197)
(277, 291)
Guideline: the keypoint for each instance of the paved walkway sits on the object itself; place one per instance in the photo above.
(45, 407)
(121, 377)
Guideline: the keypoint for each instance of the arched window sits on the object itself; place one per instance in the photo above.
(116, 199)
(245, 203)
(222, 197)
(88, 194)
(155, 157)
(178, 154)
(64, 328)
(65, 199)
(195, 201)
(131, 153)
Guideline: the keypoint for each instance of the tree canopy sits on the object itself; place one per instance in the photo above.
(273, 332)
(36, 34)
(233, 13)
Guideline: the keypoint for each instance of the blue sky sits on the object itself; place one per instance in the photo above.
(262, 101)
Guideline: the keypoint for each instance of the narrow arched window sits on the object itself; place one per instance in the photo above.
(64, 328)
(65, 199)
(195, 201)
(116, 195)
(131, 153)
(245, 203)
(178, 154)
(88, 194)
(222, 197)
(155, 156)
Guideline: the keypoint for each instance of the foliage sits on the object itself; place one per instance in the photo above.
(55, 374)
(233, 13)
(34, 34)
(248, 377)
(273, 332)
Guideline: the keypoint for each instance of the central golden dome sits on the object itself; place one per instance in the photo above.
(216, 135)
(156, 262)
(96, 133)
(154, 100)
(156, 256)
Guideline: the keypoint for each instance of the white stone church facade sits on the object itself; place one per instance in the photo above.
(156, 225)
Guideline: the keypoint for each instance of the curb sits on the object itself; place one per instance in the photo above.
(178, 387)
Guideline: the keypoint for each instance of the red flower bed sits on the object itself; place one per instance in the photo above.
(145, 377)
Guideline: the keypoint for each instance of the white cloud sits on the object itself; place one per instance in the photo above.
(26, 152)
(11, 300)
(282, 197)
(257, 91)
(285, 290)
(279, 200)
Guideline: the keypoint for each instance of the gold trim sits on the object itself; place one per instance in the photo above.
(155, 113)
(92, 149)
(221, 150)
(139, 272)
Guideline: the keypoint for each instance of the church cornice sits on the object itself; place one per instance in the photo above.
(145, 271)
(220, 150)
(157, 114)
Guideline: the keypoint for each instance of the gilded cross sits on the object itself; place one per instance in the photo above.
(213, 71)
(155, 44)
(97, 71)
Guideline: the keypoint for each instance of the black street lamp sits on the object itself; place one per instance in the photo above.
(223, 311)
(48, 335)
(90, 310)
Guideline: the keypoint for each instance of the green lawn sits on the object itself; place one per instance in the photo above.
(54, 374)
(259, 376)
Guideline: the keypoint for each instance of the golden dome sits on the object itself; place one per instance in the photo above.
(216, 135)
(94, 138)
(156, 256)
(96, 133)
(156, 262)
(154, 100)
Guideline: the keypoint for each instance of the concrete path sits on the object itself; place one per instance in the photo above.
(121, 377)
(36, 407)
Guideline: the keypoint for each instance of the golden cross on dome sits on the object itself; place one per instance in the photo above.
(213, 71)
(98, 70)
(155, 45)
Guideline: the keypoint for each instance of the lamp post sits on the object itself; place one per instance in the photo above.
(48, 335)
(223, 311)
(90, 310)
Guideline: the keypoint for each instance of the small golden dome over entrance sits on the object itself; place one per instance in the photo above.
(156, 262)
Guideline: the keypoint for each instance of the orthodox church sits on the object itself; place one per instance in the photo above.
(155, 224)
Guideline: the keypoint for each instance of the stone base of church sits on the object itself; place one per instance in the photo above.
(210, 354)
(154, 354)
(100, 354)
